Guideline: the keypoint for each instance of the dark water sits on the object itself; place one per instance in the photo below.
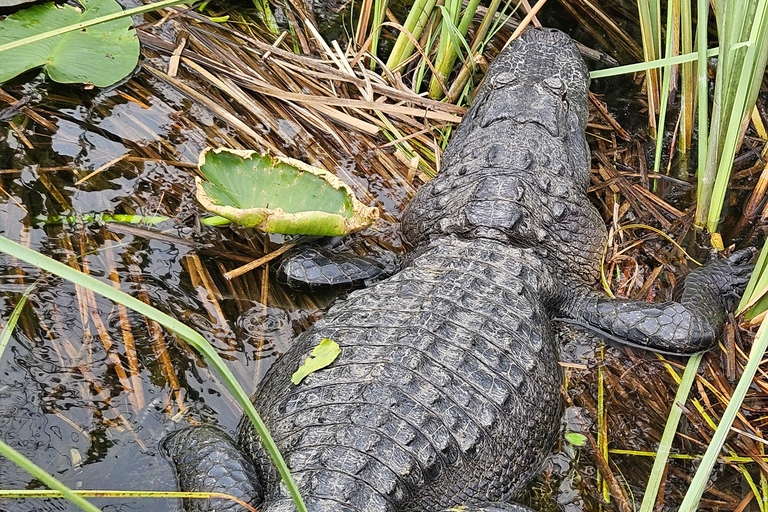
(63, 403)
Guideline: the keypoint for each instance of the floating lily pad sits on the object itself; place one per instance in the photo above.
(278, 195)
(322, 355)
(101, 55)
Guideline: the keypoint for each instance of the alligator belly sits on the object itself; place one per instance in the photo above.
(446, 391)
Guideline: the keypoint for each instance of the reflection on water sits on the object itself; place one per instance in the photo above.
(87, 389)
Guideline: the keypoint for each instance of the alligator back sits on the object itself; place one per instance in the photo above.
(446, 390)
(517, 168)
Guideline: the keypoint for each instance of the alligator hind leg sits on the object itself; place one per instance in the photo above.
(206, 458)
(687, 326)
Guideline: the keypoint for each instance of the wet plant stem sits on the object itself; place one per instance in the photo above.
(666, 81)
(450, 50)
(701, 478)
(650, 28)
(689, 76)
(702, 76)
(379, 7)
(414, 24)
(665, 445)
(478, 43)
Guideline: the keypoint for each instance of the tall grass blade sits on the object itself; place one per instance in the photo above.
(700, 479)
(379, 8)
(744, 38)
(37, 472)
(186, 333)
(650, 29)
(689, 76)
(702, 76)
(456, 36)
(665, 445)
(667, 74)
(5, 334)
(644, 66)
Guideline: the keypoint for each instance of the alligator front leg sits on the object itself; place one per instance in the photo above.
(688, 326)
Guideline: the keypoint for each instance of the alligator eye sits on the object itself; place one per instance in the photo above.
(557, 86)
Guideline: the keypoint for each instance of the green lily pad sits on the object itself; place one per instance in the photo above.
(100, 55)
(278, 195)
(322, 355)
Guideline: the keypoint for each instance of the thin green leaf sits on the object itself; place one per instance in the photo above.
(667, 69)
(702, 18)
(675, 413)
(111, 494)
(701, 478)
(95, 21)
(37, 472)
(645, 66)
(5, 335)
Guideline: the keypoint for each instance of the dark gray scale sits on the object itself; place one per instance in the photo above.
(446, 392)
(311, 268)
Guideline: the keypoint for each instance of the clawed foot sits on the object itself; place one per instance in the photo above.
(727, 277)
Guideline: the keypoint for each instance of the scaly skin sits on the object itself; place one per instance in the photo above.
(447, 390)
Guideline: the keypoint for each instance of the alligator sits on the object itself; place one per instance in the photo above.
(446, 392)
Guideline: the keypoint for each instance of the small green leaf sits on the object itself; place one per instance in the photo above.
(278, 195)
(575, 439)
(100, 55)
(322, 355)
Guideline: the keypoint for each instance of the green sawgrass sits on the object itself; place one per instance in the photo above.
(422, 69)
(743, 33)
(379, 6)
(689, 76)
(645, 66)
(186, 333)
(665, 445)
(758, 282)
(727, 459)
(414, 25)
(702, 78)
(5, 335)
(37, 472)
(455, 37)
(649, 12)
(701, 478)
(460, 87)
(602, 426)
(449, 15)
(667, 75)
